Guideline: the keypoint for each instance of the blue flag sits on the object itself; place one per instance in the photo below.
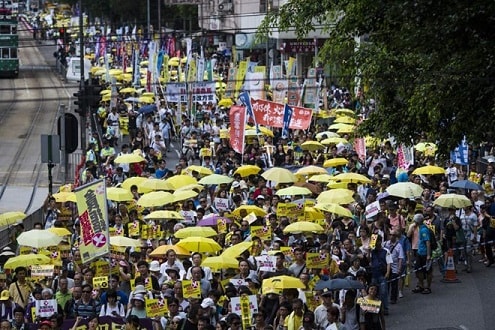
(245, 99)
(287, 117)
(460, 154)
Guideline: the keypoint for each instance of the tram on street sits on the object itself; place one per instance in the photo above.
(9, 44)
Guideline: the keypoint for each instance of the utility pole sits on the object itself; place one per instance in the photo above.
(82, 119)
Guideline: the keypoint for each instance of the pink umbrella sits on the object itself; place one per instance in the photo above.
(211, 220)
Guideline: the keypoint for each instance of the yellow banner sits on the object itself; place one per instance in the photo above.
(91, 206)
(312, 300)
(245, 312)
(317, 260)
(222, 226)
(191, 289)
(241, 74)
(191, 72)
(156, 307)
(288, 209)
(368, 305)
(117, 252)
(100, 282)
(263, 232)
(313, 281)
(133, 228)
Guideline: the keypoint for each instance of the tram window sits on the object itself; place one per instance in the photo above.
(4, 29)
(14, 30)
(13, 52)
(5, 53)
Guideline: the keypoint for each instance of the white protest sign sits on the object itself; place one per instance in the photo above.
(266, 263)
(42, 270)
(221, 204)
(235, 305)
(46, 308)
(238, 282)
(372, 209)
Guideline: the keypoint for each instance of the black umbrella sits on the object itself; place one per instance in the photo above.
(339, 284)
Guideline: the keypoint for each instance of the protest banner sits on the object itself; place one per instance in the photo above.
(266, 263)
(46, 308)
(369, 306)
(372, 209)
(221, 204)
(100, 282)
(263, 232)
(237, 282)
(317, 260)
(42, 270)
(156, 307)
(235, 304)
(191, 289)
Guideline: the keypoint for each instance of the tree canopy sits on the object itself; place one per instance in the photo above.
(428, 64)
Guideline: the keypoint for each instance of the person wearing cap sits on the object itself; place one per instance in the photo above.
(7, 306)
(320, 312)
(171, 262)
(137, 306)
(46, 325)
(424, 270)
(173, 274)
(209, 311)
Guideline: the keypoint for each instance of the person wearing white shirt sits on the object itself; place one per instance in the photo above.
(321, 319)
(196, 261)
(171, 262)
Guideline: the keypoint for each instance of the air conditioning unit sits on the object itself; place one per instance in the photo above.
(225, 7)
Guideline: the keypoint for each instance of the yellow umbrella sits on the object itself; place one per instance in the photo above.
(10, 218)
(422, 146)
(60, 231)
(27, 260)
(106, 91)
(262, 129)
(220, 262)
(155, 184)
(119, 194)
(64, 196)
(277, 284)
(429, 170)
(345, 120)
(156, 198)
(333, 162)
(127, 90)
(182, 195)
(124, 241)
(193, 186)
(135, 181)
(329, 134)
(407, 190)
(161, 251)
(200, 169)
(145, 99)
(293, 191)
(453, 201)
(199, 244)
(247, 170)
(164, 215)
(236, 250)
(178, 181)
(351, 178)
(225, 103)
(346, 130)
(312, 214)
(321, 178)
(333, 140)
(340, 125)
(195, 232)
(312, 145)
(279, 175)
(216, 179)
(337, 185)
(337, 196)
(249, 208)
(129, 159)
(347, 112)
(334, 208)
(311, 170)
(303, 227)
(38, 238)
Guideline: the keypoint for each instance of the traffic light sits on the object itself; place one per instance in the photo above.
(71, 132)
(94, 96)
(81, 103)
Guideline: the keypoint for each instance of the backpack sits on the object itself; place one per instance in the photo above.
(379, 261)
(433, 240)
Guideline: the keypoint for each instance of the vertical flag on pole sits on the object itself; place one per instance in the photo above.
(460, 154)
(287, 117)
(237, 116)
(245, 99)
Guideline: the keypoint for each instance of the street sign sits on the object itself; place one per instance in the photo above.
(50, 152)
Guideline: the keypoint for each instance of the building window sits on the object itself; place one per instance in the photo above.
(266, 5)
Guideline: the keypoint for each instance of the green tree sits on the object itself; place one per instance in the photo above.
(428, 64)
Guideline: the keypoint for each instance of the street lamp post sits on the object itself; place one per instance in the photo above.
(148, 17)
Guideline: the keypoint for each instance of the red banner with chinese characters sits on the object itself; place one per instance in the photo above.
(237, 117)
(269, 113)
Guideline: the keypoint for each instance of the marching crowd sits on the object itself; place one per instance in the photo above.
(384, 257)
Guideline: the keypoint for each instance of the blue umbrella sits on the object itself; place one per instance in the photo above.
(148, 109)
(466, 184)
(339, 284)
